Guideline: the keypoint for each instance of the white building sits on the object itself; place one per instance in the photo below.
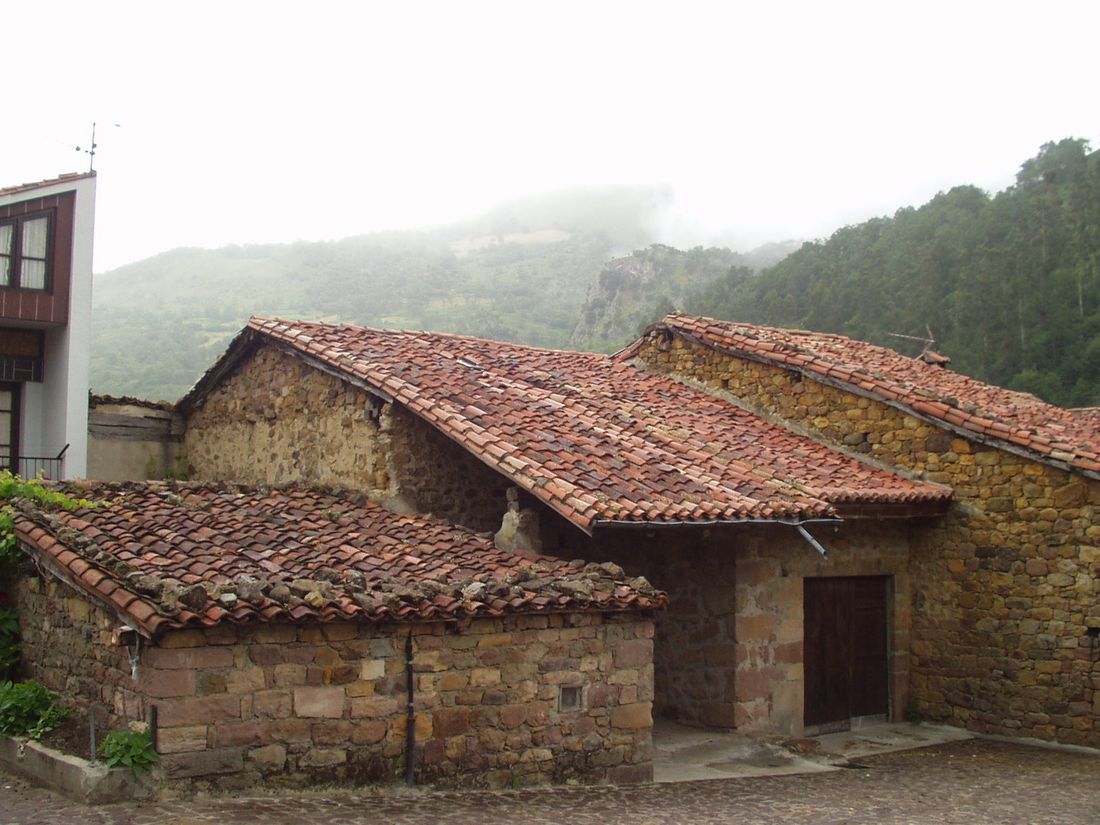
(45, 325)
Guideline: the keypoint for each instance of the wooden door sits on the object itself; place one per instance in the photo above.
(845, 650)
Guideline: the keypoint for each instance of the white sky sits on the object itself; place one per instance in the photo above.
(255, 122)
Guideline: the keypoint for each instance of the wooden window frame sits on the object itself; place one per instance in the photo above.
(16, 256)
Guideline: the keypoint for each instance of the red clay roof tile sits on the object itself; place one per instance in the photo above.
(353, 560)
(1016, 420)
(596, 439)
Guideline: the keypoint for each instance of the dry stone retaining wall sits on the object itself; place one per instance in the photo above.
(1006, 588)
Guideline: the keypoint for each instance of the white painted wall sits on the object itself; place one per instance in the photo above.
(55, 411)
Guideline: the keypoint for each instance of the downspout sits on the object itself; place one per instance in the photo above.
(410, 722)
(814, 543)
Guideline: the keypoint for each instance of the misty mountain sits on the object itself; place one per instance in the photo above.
(519, 273)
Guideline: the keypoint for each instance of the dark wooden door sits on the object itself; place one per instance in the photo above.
(845, 650)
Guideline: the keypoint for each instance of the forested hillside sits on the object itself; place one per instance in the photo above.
(518, 273)
(1009, 285)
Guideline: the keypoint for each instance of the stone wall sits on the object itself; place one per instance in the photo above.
(277, 420)
(68, 645)
(284, 705)
(1006, 601)
(772, 566)
(728, 651)
(287, 705)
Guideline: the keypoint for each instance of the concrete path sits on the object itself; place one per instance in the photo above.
(685, 754)
(970, 782)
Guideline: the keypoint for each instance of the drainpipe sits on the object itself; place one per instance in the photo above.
(410, 723)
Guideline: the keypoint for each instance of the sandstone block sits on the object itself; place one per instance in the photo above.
(359, 689)
(246, 680)
(368, 732)
(633, 717)
(272, 757)
(181, 740)
(163, 684)
(183, 638)
(484, 677)
(374, 707)
(202, 710)
(203, 763)
(251, 732)
(633, 653)
(162, 658)
(450, 722)
(323, 757)
(319, 702)
(275, 704)
(372, 669)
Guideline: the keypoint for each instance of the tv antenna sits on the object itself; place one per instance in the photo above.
(928, 352)
(90, 151)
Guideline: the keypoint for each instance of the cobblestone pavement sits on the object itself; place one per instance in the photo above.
(973, 782)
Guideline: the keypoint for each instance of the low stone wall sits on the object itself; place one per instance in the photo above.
(277, 420)
(288, 705)
(285, 705)
(68, 644)
(1006, 588)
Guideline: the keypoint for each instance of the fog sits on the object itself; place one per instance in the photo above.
(273, 122)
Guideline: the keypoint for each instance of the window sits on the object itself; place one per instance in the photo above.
(570, 699)
(24, 252)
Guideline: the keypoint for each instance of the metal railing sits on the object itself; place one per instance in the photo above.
(49, 467)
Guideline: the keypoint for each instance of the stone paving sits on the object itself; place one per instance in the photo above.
(973, 782)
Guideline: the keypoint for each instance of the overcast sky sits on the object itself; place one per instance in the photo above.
(255, 122)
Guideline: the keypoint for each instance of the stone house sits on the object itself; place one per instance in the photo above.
(787, 563)
(1006, 588)
(299, 636)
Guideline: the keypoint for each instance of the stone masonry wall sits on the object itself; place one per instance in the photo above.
(772, 566)
(1006, 600)
(289, 705)
(67, 645)
(695, 638)
(277, 420)
(284, 705)
(728, 651)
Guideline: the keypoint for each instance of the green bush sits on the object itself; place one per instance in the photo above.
(29, 709)
(130, 748)
(9, 639)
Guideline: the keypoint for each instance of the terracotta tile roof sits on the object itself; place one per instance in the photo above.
(597, 440)
(1012, 420)
(170, 555)
(27, 187)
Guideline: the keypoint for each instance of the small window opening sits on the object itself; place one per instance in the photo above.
(570, 698)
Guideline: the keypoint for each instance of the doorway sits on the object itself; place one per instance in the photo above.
(846, 650)
(9, 427)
